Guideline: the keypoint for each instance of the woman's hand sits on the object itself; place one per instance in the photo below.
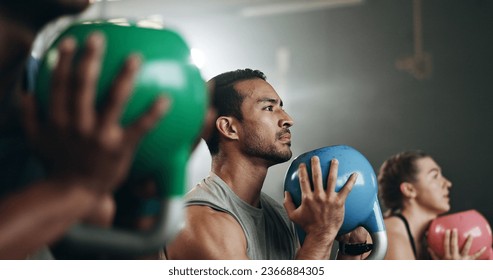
(451, 248)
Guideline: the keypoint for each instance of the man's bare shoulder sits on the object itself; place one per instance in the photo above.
(203, 212)
(208, 234)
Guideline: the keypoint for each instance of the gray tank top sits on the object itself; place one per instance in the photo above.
(269, 233)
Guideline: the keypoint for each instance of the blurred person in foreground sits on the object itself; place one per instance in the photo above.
(86, 155)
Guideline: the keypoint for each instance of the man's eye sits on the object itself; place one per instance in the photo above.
(269, 108)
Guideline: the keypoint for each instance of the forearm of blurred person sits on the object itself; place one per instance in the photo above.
(40, 214)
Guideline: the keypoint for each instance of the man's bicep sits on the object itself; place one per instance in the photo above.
(208, 234)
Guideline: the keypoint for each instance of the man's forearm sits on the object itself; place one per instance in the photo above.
(316, 247)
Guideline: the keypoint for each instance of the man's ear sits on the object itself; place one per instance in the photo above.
(408, 190)
(227, 127)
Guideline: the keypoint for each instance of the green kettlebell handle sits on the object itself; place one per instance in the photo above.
(169, 221)
(87, 238)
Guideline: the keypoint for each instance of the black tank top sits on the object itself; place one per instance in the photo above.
(409, 234)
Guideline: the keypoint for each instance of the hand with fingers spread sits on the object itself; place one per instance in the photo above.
(451, 248)
(77, 143)
(321, 212)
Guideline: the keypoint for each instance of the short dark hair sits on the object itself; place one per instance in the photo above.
(227, 101)
(396, 170)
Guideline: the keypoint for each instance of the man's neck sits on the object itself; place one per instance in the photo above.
(242, 175)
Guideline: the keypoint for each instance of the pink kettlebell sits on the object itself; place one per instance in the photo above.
(467, 223)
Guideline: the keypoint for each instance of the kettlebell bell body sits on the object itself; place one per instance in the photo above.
(361, 207)
(469, 222)
(162, 154)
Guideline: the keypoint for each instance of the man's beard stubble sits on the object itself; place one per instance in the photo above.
(255, 146)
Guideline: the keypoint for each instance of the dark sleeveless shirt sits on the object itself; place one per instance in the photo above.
(409, 234)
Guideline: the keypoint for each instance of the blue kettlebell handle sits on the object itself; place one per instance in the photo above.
(376, 227)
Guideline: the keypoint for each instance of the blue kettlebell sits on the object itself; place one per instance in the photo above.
(361, 208)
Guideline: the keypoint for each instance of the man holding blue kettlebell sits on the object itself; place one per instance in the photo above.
(228, 215)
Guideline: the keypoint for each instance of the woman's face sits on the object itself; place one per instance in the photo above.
(432, 188)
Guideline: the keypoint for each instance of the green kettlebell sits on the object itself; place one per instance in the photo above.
(163, 153)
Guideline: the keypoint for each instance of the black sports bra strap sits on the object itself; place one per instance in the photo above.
(411, 238)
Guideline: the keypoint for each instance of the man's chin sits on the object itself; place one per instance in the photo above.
(284, 157)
